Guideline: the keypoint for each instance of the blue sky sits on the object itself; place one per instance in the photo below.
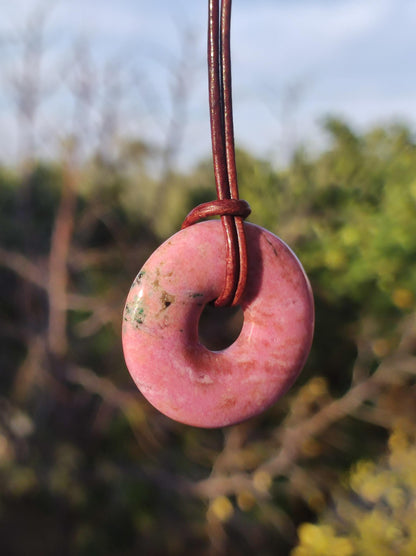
(293, 63)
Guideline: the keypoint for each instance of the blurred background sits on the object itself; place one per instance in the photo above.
(104, 148)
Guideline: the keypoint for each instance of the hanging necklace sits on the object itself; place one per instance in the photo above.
(224, 262)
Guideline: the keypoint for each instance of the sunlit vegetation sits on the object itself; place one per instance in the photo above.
(87, 467)
(375, 511)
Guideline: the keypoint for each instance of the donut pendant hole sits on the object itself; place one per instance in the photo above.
(219, 327)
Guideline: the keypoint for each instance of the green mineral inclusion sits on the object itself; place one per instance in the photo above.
(139, 315)
(135, 312)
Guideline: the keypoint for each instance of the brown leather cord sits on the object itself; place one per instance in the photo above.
(225, 207)
(228, 205)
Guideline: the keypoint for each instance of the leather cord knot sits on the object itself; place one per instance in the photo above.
(220, 207)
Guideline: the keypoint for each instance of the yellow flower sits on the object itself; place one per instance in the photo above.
(398, 441)
(222, 508)
(403, 298)
(396, 497)
(315, 540)
(317, 386)
(361, 472)
(381, 347)
(245, 500)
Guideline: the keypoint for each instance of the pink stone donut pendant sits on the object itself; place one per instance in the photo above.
(180, 376)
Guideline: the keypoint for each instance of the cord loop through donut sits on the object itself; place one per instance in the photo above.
(228, 205)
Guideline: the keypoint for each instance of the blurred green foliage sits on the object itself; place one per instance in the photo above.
(88, 467)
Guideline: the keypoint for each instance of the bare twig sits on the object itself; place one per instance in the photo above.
(130, 404)
(293, 437)
(23, 267)
(58, 260)
(28, 372)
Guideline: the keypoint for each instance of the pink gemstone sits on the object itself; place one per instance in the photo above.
(180, 376)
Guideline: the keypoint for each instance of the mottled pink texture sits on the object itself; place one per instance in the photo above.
(178, 375)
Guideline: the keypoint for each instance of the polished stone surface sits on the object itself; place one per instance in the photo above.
(181, 377)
